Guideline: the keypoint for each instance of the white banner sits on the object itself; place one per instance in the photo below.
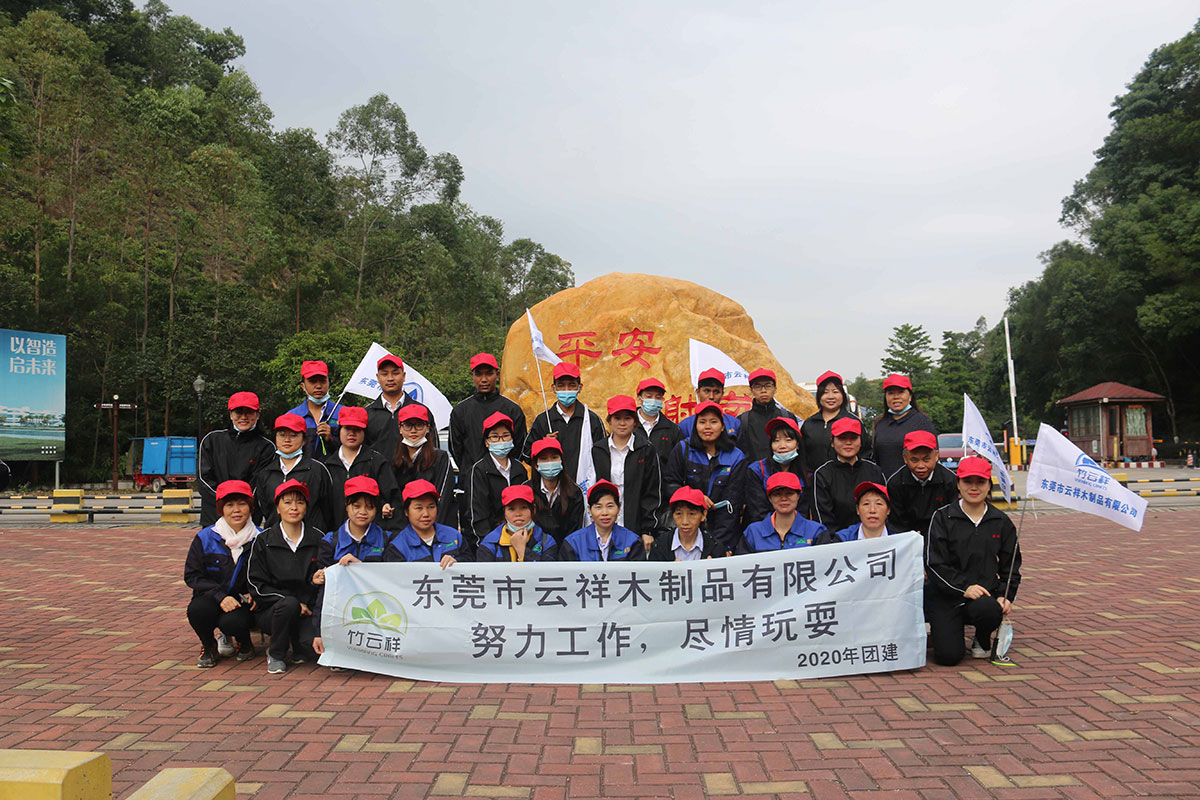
(363, 384)
(703, 356)
(538, 343)
(1063, 474)
(977, 437)
(818, 611)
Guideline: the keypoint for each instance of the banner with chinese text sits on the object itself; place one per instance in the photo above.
(33, 396)
(803, 613)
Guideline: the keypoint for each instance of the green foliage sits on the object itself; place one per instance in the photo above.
(908, 353)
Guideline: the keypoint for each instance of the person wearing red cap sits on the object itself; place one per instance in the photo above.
(382, 430)
(873, 506)
(352, 459)
(784, 436)
(279, 572)
(558, 499)
(661, 431)
(627, 460)
(419, 458)
(293, 463)
(565, 420)
(752, 436)
(519, 537)
(922, 486)
(490, 474)
(900, 418)
(687, 542)
(424, 539)
(318, 409)
(785, 528)
(834, 481)
(604, 539)
(215, 571)
(973, 567)
(235, 453)
(833, 403)
(708, 460)
(466, 420)
(710, 388)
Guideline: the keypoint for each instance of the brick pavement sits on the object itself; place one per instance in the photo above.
(96, 655)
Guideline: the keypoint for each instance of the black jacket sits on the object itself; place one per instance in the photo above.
(816, 441)
(228, 455)
(642, 496)
(663, 436)
(368, 463)
(833, 490)
(889, 438)
(211, 570)
(275, 572)
(752, 435)
(441, 476)
(661, 550)
(720, 478)
(913, 503)
(383, 432)
(553, 519)
(569, 434)
(311, 473)
(466, 427)
(486, 484)
(959, 554)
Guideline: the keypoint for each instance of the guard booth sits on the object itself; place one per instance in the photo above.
(1111, 422)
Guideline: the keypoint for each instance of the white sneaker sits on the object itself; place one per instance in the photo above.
(224, 646)
(978, 652)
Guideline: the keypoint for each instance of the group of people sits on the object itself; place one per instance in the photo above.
(341, 484)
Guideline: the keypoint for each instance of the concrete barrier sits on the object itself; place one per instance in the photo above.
(188, 784)
(67, 506)
(175, 505)
(54, 775)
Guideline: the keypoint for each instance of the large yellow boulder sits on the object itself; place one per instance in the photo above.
(623, 327)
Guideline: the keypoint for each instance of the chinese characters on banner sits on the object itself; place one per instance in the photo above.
(33, 396)
(809, 612)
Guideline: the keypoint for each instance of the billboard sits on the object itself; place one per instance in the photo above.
(33, 396)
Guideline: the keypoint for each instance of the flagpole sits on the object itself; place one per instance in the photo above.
(1011, 565)
(537, 364)
(1012, 385)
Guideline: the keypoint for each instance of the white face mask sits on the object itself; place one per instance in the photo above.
(415, 443)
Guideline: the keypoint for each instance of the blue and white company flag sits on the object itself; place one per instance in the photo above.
(977, 437)
(1063, 474)
(540, 351)
(702, 356)
(363, 384)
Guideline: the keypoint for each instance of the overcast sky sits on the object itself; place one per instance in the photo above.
(836, 168)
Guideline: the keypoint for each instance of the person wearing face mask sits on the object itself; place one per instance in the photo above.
(382, 430)
(710, 388)
(752, 438)
(558, 501)
(418, 458)
(318, 409)
(604, 539)
(291, 463)
(873, 506)
(565, 420)
(921, 487)
(900, 418)
(352, 459)
(662, 432)
(627, 460)
(519, 537)
(489, 476)
(833, 403)
(233, 454)
(784, 436)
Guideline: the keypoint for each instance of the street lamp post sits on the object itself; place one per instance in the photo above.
(198, 385)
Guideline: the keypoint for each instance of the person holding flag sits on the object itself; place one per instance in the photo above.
(565, 421)
(382, 430)
(318, 411)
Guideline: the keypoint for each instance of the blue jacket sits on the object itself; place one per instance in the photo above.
(851, 534)
(761, 535)
(623, 545)
(754, 488)
(311, 444)
(210, 568)
(733, 425)
(407, 545)
(720, 477)
(542, 547)
(336, 544)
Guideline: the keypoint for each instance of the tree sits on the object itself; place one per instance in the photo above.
(908, 353)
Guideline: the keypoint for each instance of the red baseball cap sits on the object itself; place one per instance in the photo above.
(498, 418)
(484, 360)
(762, 374)
(291, 422)
(419, 488)
(706, 406)
(621, 402)
(686, 494)
(844, 425)
(542, 445)
(784, 480)
(395, 361)
(243, 400)
(867, 486)
(782, 422)
(412, 411)
(917, 439)
(650, 383)
(897, 380)
(519, 492)
(361, 484)
(234, 488)
(311, 368)
(352, 417)
(603, 484)
(974, 466)
(829, 375)
(711, 374)
(291, 486)
(565, 370)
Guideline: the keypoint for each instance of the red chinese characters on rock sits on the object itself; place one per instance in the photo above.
(635, 343)
(582, 341)
(733, 404)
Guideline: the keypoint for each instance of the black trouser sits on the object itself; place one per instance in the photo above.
(948, 616)
(204, 614)
(284, 624)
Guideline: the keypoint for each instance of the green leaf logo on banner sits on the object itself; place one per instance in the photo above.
(377, 610)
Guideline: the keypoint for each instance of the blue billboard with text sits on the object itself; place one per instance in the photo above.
(33, 396)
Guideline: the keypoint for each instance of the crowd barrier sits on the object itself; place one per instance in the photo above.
(1159, 487)
(72, 505)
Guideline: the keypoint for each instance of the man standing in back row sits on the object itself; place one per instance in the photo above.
(382, 430)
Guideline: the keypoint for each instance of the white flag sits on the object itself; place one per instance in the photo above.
(977, 437)
(363, 384)
(539, 344)
(703, 356)
(585, 471)
(1063, 474)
